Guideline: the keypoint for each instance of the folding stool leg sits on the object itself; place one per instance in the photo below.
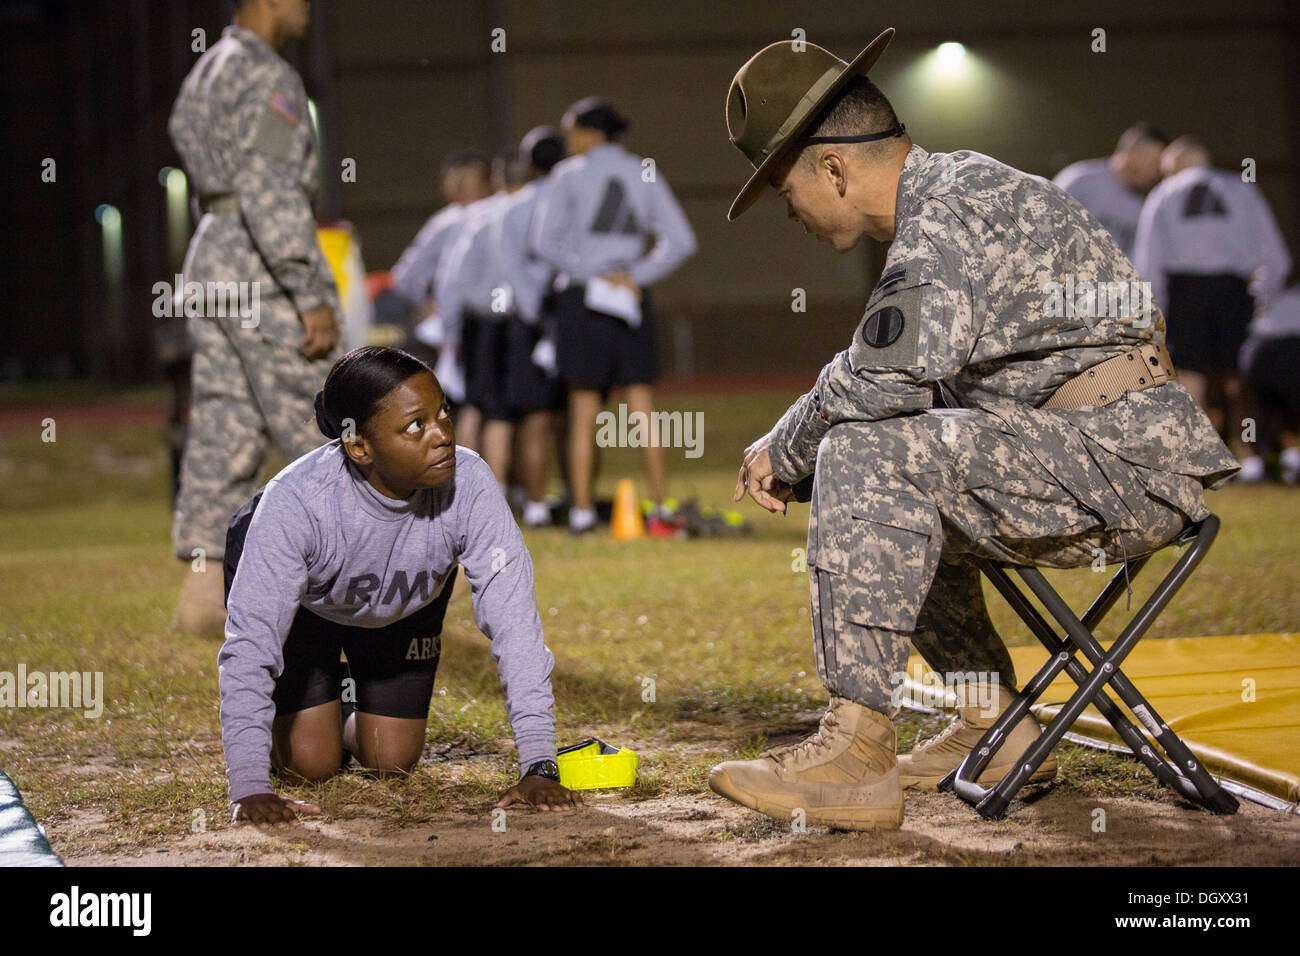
(1186, 776)
(1193, 781)
(1063, 658)
(992, 802)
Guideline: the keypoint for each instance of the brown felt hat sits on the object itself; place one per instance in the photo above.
(777, 94)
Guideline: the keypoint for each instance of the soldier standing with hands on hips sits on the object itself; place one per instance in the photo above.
(242, 127)
(602, 205)
(971, 414)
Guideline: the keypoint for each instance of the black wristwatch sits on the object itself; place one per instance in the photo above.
(543, 768)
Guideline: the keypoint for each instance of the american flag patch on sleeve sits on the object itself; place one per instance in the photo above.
(284, 106)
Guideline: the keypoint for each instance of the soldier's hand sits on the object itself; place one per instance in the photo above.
(320, 332)
(266, 810)
(542, 793)
(757, 478)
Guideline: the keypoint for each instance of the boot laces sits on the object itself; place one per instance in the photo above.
(938, 739)
(806, 750)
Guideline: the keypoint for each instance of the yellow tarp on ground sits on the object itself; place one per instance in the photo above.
(1202, 687)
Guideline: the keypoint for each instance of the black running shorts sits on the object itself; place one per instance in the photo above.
(598, 351)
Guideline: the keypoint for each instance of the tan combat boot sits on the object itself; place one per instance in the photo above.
(931, 760)
(844, 776)
(202, 606)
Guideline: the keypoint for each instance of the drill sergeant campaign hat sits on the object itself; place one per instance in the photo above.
(777, 94)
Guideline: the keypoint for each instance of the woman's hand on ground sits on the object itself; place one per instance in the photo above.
(542, 793)
(267, 810)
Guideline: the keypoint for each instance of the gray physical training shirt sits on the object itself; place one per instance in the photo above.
(323, 538)
(1105, 195)
(597, 213)
(468, 274)
(527, 276)
(1205, 221)
(416, 270)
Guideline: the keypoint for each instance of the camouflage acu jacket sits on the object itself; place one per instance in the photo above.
(242, 126)
(998, 288)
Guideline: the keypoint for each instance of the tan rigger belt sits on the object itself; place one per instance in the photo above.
(227, 204)
(1145, 366)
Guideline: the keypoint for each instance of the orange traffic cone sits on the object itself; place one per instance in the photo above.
(626, 523)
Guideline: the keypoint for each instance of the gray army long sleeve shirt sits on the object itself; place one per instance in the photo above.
(1205, 221)
(597, 211)
(416, 270)
(242, 126)
(323, 538)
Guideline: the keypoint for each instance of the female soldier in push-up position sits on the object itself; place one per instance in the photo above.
(353, 548)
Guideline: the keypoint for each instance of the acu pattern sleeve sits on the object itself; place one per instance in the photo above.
(277, 142)
(919, 327)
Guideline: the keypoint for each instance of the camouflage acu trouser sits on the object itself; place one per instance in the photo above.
(248, 386)
(898, 503)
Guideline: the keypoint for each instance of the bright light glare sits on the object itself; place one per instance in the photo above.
(951, 54)
(108, 217)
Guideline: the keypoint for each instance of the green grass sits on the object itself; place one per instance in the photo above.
(720, 626)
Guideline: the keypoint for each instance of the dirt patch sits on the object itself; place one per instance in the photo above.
(1048, 828)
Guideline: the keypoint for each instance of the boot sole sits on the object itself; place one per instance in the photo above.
(842, 818)
(991, 776)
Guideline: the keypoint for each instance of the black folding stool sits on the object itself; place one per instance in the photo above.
(1182, 771)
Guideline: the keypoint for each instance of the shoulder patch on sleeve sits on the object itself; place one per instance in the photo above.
(276, 127)
(883, 327)
(889, 334)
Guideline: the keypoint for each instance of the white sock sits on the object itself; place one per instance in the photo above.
(350, 733)
(536, 512)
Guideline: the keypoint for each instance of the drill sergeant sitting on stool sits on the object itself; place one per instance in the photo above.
(980, 409)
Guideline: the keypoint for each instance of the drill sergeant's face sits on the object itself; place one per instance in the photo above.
(830, 198)
(409, 442)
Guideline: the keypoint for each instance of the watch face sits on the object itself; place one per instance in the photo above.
(544, 768)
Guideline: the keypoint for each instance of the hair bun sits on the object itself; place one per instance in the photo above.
(323, 422)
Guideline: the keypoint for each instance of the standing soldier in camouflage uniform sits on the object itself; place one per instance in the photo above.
(989, 404)
(242, 127)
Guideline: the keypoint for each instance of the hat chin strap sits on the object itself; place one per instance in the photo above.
(898, 130)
